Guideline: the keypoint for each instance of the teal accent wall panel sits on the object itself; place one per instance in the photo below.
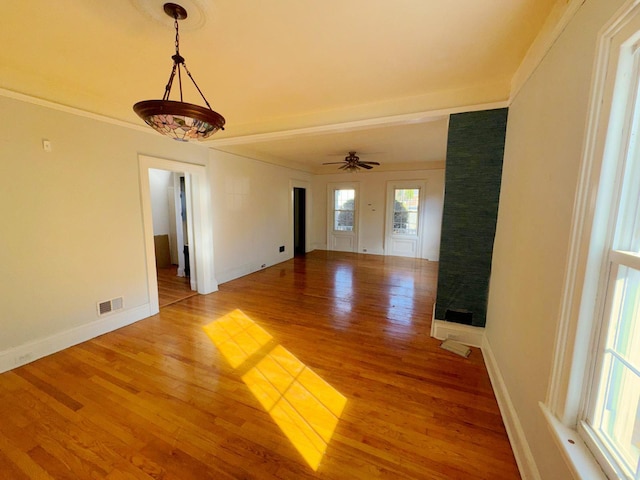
(475, 149)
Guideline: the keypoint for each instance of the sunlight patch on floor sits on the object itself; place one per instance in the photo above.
(237, 337)
(305, 407)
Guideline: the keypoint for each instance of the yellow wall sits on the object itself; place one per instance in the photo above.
(545, 136)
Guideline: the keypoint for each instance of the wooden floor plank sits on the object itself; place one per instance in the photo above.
(171, 288)
(158, 399)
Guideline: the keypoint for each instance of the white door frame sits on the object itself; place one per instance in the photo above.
(199, 211)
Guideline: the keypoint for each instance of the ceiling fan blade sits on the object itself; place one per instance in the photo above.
(364, 165)
(358, 152)
(332, 163)
(368, 163)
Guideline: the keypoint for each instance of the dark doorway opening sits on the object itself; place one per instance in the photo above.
(299, 221)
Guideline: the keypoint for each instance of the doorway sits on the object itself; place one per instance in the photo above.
(299, 220)
(199, 223)
(171, 233)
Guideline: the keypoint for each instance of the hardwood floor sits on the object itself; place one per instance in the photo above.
(171, 288)
(158, 400)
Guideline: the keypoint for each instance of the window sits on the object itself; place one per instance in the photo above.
(405, 211)
(595, 384)
(616, 418)
(613, 414)
(343, 209)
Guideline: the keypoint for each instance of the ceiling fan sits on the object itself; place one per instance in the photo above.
(352, 163)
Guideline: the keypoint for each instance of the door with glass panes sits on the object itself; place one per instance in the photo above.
(342, 218)
(403, 226)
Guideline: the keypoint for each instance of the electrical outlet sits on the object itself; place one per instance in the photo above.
(281, 248)
(263, 265)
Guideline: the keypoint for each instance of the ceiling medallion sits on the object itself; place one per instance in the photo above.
(200, 13)
(177, 119)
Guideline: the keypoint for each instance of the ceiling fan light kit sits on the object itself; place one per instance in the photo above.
(177, 119)
(352, 163)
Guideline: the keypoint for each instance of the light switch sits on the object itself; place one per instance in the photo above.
(46, 145)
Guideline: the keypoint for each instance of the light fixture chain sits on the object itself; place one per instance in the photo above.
(175, 24)
(178, 60)
(167, 89)
(180, 81)
(197, 87)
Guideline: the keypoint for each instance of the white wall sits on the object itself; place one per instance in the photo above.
(71, 233)
(543, 150)
(159, 182)
(372, 202)
(252, 213)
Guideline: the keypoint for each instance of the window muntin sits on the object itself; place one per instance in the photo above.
(616, 420)
(344, 206)
(405, 211)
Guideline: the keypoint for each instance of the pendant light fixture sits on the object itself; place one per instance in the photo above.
(179, 120)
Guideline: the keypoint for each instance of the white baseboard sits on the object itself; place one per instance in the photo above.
(373, 251)
(23, 354)
(472, 336)
(519, 445)
(233, 273)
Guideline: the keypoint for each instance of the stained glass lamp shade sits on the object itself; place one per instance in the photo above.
(177, 119)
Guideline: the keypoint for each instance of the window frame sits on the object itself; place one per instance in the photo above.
(580, 328)
(338, 211)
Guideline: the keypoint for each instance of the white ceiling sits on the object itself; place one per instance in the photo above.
(296, 80)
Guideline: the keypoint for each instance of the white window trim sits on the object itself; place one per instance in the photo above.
(580, 310)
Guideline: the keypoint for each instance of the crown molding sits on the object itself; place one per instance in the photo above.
(72, 110)
(558, 19)
(404, 119)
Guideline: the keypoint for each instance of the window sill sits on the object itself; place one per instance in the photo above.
(576, 454)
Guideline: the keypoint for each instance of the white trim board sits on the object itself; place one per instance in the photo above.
(576, 454)
(392, 120)
(475, 337)
(556, 22)
(74, 111)
(29, 352)
(517, 438)
(467, 334)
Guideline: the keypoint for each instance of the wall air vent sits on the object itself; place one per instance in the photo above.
(109, 306)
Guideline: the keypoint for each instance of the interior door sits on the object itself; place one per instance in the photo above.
(342, 217)
(404, 220)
